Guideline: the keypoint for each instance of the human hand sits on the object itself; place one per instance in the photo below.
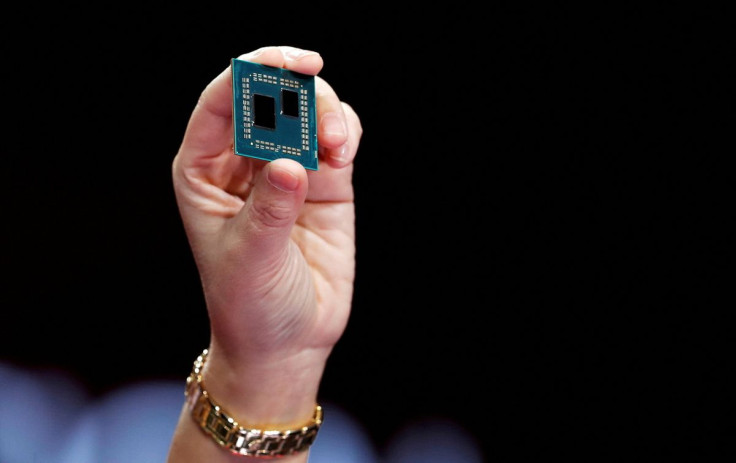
(273, 243)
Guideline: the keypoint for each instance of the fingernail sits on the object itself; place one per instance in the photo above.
(297, 53)
(340, 154)
(282, 179)
(252, 54)
(334, 125)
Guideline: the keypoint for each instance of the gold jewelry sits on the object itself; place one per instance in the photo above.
(213, 420)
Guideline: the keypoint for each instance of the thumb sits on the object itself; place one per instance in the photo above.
(265, 222)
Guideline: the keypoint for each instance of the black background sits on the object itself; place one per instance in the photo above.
(542, 214)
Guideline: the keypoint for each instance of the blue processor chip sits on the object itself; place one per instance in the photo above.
(274, 113)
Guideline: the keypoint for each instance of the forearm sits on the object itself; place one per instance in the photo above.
(274, 395)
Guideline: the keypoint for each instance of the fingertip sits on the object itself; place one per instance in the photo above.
(352, 117)
(286, 175)
(342, 151)
(333, 129)
(270, 56)
(337, 157)
(303, 61)
(295, 59)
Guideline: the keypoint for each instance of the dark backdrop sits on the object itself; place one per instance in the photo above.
(540, 213)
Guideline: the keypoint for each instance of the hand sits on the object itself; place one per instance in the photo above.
(274, 246)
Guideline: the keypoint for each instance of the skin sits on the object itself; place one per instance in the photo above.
(275, 249)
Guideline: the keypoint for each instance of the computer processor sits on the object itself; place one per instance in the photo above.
(274, 113)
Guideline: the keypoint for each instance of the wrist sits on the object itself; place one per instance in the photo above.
(275, 392)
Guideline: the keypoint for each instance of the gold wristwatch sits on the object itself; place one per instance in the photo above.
(213, 420)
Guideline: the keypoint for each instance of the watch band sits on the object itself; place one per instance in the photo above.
(219, 425)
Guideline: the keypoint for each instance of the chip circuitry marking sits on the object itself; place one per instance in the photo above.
(274, 113)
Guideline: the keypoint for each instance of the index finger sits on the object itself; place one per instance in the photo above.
(209, 130)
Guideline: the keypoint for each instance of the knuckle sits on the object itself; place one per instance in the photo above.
(268, 215)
